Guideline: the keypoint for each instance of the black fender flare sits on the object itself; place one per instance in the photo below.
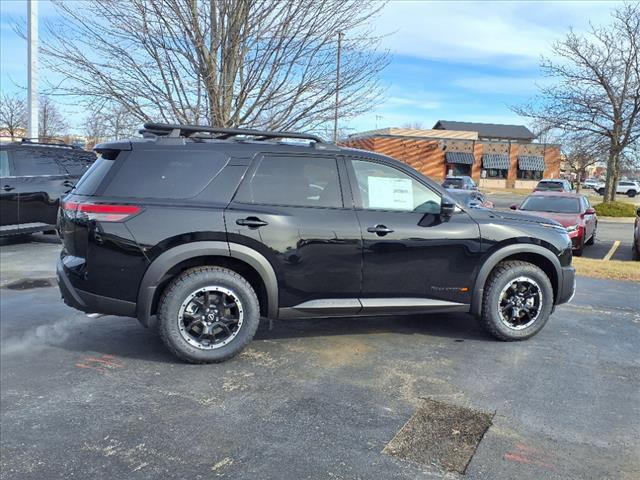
(501, 254)
(167, 260)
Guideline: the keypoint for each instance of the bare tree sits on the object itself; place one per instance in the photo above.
(110, 122)
(581, 152)
(417, 125)
(259, 63)
(13, 115)
(597, 88)
(51, 123)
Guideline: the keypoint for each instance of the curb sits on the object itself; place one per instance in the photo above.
(616, 219)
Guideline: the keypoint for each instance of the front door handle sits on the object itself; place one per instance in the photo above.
(379, 230)
(68, 183)
(251, 222)
(8, 188)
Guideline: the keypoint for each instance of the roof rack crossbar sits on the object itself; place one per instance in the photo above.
(161, 129)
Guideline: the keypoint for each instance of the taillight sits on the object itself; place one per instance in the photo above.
(103, 212)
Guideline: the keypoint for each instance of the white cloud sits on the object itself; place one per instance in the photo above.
(504, 85)
(514, 33)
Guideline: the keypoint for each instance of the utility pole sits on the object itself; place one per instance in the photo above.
(32, 69)
(335, 115)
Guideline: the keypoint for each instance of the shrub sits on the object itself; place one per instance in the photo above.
(616, 209)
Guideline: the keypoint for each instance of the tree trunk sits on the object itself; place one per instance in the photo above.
(612, 176)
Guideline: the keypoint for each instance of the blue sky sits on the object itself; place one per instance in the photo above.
(465, 61)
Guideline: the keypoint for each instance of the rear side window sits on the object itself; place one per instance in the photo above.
(295, 181)
(4, 163)
(93, 177)
(36, 161)
(164, 173)
(76, 162)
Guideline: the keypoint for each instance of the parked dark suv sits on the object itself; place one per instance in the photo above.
(33, 177)
(204, 230)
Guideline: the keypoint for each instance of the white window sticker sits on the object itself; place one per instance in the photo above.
(390, 193)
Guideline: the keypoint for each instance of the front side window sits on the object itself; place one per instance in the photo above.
(35, 161)
(4, 163)
(381, 187)
(297, 181)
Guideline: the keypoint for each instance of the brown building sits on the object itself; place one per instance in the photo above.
(495, 156)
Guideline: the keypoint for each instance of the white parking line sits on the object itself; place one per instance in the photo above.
(611, 251)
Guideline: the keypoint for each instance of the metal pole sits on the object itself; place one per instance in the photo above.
(335, 115)
(32, 69)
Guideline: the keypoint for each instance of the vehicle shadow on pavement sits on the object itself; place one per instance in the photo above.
(123, 338)
(457, 326)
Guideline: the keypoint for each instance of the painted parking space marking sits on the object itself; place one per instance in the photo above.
(611, 251)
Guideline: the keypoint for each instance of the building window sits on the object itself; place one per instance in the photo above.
(458, 169)
(496, 173)
(529, 175)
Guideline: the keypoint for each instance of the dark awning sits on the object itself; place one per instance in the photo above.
(495, 161)
(531, 162)
(465, 158)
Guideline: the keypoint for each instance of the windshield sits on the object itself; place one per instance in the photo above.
(551, 204)
(556, 186)
(453, 182)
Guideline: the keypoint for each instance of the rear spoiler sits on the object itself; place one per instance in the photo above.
(111, 150)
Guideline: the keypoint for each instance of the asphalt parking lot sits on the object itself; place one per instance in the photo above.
(312, 399)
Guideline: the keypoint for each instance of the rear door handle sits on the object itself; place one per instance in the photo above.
(68, 183)
(251, 222)
(8, 188)
(380, 230)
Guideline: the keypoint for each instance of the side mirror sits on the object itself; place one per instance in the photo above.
(590, 211)
(513, 207)
(447, 208)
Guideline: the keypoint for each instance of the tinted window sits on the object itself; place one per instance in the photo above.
(552, 186)
(296, 181)
(35, 161)
(164, 173)
(453, 183)
(93, 177)
(386, 188)
(551, 204)
(4, 163)
(76, 162)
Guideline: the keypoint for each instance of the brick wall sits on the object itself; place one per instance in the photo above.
(427, 156)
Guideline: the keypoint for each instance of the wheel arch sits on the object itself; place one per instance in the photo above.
(247, 262)
(535, 254)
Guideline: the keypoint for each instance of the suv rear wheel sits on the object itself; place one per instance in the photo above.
(517, 302)
(208, 314)
(631, 193)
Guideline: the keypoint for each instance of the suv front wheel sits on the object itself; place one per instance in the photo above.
(518, 299)
(208, 314)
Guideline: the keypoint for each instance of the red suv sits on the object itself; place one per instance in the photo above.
(573, 211)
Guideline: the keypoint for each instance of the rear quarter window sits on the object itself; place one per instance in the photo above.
(164, 173)
(76, 162)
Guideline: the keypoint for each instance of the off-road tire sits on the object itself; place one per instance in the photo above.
(190, 280)
(501, 275)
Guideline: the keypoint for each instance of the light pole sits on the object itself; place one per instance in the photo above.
(335, 114)
(32, 69)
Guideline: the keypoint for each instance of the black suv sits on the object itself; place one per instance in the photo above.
(204, 230)
(33, 177)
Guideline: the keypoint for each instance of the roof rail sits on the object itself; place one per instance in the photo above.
(52, 141)
(198, 131)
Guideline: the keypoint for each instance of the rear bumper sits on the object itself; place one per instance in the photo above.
(566, 285)
(90, 302)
